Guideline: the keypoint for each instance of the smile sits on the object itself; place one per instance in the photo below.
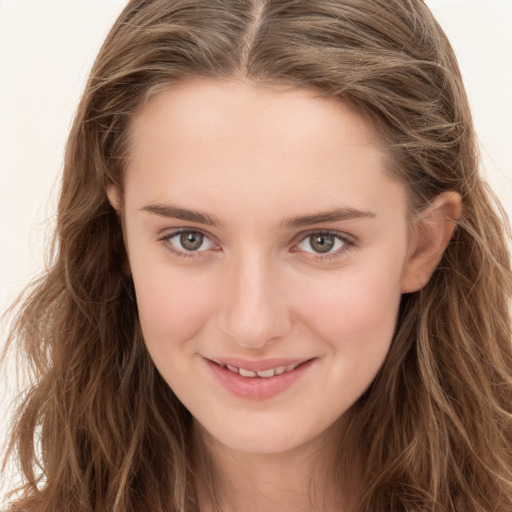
(265, 374)
(258, 380)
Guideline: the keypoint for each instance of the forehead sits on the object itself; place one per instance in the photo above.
(202, 104)
(210, 139)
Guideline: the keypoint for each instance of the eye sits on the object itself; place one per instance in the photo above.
(188, 242)
(324, 243)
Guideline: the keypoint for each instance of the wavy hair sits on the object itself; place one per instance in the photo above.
(100, 430)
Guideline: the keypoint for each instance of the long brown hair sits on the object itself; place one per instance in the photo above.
(100, 430)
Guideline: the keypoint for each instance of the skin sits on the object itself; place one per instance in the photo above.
(255, 162)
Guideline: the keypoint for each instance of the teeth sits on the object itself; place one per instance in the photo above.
(247, 373)
(265, 374)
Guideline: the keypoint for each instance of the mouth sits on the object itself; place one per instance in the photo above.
(264, 374)
(259, 380)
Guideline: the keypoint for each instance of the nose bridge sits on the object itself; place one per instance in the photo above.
(255, 311)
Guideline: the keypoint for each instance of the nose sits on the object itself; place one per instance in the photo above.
(254, 308)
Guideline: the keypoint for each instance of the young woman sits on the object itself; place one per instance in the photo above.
(279, 280)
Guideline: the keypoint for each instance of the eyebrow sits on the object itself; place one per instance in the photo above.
(336, 215)
(339, 214)
(174, 212)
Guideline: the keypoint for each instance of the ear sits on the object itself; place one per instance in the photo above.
(431, 234)
(114, 196)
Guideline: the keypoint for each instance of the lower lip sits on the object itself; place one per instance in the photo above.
(257, 388)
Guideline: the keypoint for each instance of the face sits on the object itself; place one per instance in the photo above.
(268, 248)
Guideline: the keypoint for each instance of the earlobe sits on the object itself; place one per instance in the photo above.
(432, 232)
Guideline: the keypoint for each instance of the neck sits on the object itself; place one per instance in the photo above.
(305, 479)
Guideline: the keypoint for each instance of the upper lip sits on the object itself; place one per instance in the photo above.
(257, 366)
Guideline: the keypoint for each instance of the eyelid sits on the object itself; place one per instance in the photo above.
(169, 234)
(349, 242)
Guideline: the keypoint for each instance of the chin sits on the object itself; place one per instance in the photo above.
(264, 438)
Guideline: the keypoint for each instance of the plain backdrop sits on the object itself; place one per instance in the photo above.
(46, 50)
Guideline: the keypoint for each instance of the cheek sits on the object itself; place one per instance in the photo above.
(172, 306)
(356, 311)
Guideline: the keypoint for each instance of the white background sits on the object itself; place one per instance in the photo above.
(47, 48)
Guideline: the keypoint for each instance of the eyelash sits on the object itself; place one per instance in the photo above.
(347, 243)
(183, 253)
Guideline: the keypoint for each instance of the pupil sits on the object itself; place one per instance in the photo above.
(322, 243)
(191, 241)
